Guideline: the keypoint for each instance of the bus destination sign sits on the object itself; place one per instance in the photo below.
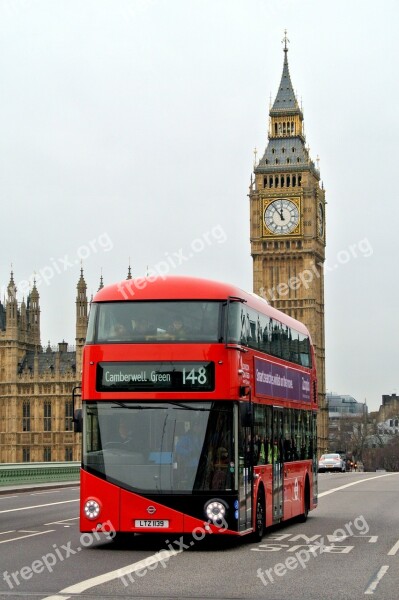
(155, 376)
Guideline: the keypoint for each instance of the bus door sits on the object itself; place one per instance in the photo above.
(277, 462)
(244, 462)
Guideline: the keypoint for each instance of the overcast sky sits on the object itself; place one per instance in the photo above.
(127, 130)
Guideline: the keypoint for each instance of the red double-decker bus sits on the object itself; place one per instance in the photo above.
(199, 406)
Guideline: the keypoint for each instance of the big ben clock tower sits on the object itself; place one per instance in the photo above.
(287, 212)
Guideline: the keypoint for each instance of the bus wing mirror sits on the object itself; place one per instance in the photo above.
(77, 421)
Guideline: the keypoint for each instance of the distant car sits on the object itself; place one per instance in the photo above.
(332, 462)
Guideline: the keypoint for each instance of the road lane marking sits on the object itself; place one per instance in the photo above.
(373, 585)
(342, 487)
(37, 506)
(394, 549)
(63, 521)
(46, 492)
(22, 537)
(5, 532)
(87, 584)
(7, 497)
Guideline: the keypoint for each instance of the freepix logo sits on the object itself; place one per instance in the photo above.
(173, 260)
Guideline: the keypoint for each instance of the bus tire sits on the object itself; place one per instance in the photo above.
(306, 503)
(260, 516)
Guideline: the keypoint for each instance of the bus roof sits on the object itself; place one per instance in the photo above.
(178, 287)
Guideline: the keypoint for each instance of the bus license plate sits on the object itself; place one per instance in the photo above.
(151, 523)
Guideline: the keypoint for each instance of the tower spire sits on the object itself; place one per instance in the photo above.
(285, 98)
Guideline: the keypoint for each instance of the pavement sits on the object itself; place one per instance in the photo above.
(25, 487)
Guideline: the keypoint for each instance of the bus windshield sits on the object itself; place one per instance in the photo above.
(154, 321)
(168, 447)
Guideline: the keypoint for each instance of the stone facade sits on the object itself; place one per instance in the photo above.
(389, 407)
(36, 384)
(287, 228)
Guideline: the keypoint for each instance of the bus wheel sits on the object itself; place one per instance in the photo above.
(260, 517)
(306, 503)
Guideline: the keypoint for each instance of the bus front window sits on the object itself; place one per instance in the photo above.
(154, 322)
(171, 447)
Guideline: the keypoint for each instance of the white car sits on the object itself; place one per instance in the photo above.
(331, 462)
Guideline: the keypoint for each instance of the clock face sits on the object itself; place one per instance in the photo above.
(281, 216)
(320, 220)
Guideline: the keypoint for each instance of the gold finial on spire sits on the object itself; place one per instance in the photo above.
(285, 40)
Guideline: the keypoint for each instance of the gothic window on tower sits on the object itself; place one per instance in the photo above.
(26, 415)
(68, 453)
(68, 415)
(47, 454)
(47, 416)
(26, 454)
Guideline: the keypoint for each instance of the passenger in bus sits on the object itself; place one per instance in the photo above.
(287, 449)
(177, 330)
(124, 433)
(261, 450)
(189, 446)
(119, 331)
(273, 453)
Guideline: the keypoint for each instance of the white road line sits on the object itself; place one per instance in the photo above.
(373, 585)
(27, 530)
(5, 532)
(7, 497)
(37, 506)
(57, 491)
(22, 537)
(394, 549)
(62, 522)
(342, 487)
(87, 584)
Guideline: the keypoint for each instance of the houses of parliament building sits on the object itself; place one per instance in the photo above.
(36, 384)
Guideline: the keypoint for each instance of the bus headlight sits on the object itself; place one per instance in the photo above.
(215, 510)
(92, 509)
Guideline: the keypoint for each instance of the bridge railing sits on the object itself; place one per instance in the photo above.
(46, 472)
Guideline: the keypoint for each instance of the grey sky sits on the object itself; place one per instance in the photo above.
(127, 129)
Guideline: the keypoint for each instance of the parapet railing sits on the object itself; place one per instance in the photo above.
(46, 472)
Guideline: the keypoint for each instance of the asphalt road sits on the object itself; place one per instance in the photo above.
(347, 549)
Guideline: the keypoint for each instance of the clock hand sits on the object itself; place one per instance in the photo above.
(280, 212)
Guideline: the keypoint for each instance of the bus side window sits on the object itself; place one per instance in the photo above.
(244, 330)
